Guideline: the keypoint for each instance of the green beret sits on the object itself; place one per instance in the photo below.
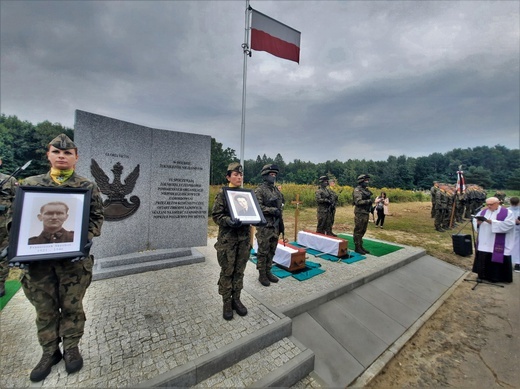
(235, 167)
(269, 169)
(63, 142)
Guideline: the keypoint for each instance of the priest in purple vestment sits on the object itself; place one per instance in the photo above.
(495, 226)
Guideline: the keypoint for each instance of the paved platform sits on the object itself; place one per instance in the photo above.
(165, 328)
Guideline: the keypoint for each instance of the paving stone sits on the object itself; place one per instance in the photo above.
(143, 325)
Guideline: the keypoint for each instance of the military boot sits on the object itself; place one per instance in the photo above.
(359, 250)
(227, 311)
(43, 368)
(365, 250)
(73, 360)
(270, 276)
(263, 278)
(2, 289)
(238, 306)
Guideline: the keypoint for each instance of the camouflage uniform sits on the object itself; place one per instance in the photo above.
(233, 248)
(449, 207)
(327, 200)
(6, 198)
(459, 207)
(362, 203)
(433, 193)
(441, 203)
(56, 287)
(480, 198)
(500, 196)
(270, 200)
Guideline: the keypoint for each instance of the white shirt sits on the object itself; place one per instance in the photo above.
(486, 231)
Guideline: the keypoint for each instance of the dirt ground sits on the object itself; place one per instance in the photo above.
(472, 341)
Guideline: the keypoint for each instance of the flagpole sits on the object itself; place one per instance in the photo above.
(247, 52)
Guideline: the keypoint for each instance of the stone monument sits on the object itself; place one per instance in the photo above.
(155, 187)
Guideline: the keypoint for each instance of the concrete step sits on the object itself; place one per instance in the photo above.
(281, 364)
(200, 370)
(123, 265)
(349, 333)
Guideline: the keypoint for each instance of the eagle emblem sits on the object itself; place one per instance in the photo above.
(116, 207)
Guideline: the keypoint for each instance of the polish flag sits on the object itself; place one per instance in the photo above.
(461, 183)
(274, 37)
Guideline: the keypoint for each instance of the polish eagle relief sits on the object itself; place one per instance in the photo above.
(116, 207)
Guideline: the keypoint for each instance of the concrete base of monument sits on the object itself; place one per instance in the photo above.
(141, 262)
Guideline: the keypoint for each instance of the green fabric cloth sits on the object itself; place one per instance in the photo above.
(310, 270)
(11, 287)
(377, 249)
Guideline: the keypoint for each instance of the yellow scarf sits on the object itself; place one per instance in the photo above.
(60, 176)
(233, 186)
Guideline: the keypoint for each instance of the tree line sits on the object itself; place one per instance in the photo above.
(490, 167)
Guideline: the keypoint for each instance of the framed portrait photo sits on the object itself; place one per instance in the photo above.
(49, 223)
(243, 205)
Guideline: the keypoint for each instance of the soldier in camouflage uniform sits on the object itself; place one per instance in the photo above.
(233, 248)
(327, 200)
(362, 203)
(7, 191)
(450, 195)
(441, 204)
(433, 193)
(480, 199)
(56, 287)
(500, 196)
(270, 200)
(459, 207)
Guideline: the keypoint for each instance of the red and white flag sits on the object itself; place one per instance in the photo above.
(461, 184)
(274, 37)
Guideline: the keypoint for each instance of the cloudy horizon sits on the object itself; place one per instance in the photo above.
(376, 78)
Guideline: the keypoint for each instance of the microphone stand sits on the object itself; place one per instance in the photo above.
(478, 280)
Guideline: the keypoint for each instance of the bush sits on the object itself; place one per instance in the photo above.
(307, 195)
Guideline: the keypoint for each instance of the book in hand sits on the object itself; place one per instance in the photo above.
(481, 218)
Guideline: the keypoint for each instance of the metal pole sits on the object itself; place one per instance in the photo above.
(247, 52)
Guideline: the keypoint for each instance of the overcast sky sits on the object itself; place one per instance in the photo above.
(376, 78)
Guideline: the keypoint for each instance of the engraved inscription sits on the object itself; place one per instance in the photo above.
(179, 198)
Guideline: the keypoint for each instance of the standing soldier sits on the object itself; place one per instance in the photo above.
(362, 203)
(500, 196)
(233, 247)
(459, 206)
(7, 190)
(433, 193)
(327, 200)
(270, 200)
(441, 204)
(450, 195)
(56, 287)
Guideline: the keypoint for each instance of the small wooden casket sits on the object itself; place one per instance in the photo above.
(289, 257)
(324, 243)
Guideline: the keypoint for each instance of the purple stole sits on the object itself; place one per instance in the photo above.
(500, 239)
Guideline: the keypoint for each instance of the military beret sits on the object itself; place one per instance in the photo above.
(235, 167)
(63, 142)
(324, 178)
(363, 177)
(269, 169)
